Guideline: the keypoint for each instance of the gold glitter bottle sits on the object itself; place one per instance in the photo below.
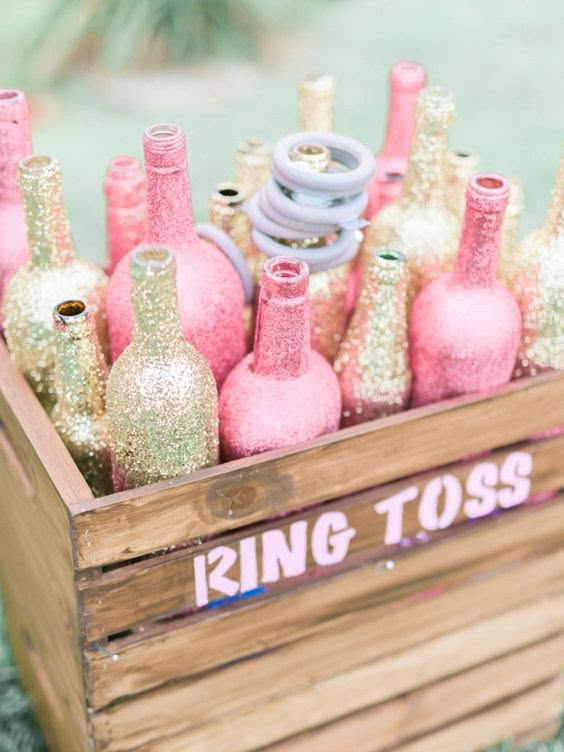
(316, 97)
(511, 229)
(537, 281)
(419, 224)
(161, 397)
(373, 363)
(460, 167)
(79, 414)
(53, 273)
(252, 166)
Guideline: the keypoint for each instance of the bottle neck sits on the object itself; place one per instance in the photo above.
(401, 123)
(554, 223)
(126, 193)
(478, 251)
(157, 322)
(425, 179)
(170, 220)
(81, 372)
(282, 335)
(48, 229)
(316, 95)
(15, 142)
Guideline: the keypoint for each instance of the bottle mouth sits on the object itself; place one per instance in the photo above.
(317, 83)
(151, 260)
(286, 275)
(393, 177)
(70, 312)
(227, 194)
(38, 164)
(407, 75)
(124, 167)
(488, 191)
(390, 255)
(256, 146)
(9, 97)
(310, 157)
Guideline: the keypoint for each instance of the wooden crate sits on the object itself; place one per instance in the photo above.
(345, 594)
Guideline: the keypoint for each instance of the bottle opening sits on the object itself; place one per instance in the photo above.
(9, 96)
(310, 157)
(285, 277)
(36, 163)
(490, 183)
(152, 258)
(319, 82)
(124, 166)
(408, 75)
(388, 254)
(254, 146)
(284, 267)
(70, 311)
(462, 154)
(393, 177)
(228, 191)
(165, 136)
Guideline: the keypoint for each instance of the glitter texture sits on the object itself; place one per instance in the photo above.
(460, 166)
(420, 225)
(465, 326)
(79, 414)
(537, 281)
(210, 293)
(15, 144)
(316, 96)
(126, 213)
(406, 81)
(53, 273)
(161, 396)
(252, 166)
(373, 362)
(283, 392)
(511, 231)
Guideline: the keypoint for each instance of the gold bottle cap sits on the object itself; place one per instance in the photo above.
(310, 157)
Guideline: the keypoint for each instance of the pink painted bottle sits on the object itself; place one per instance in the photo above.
(283, 392)
(126, 214)
(210, 293)
(406, 81)
(465, 325)
(15, 144)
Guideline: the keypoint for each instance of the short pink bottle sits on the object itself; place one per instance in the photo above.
(465, 326)
(210, 293)
(15, 144)
(126, 213)
(406, 81)
(283, 392)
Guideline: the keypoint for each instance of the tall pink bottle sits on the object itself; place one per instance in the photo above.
(406, 81)
(126, 213)
(210, 293)
(283, 392)
(15, 144)
(465, 325)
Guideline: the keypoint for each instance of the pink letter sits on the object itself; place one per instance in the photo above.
(428, 507)
(248, 563)
(277, 554)
(515, 472)
(217, 581)
(331, 549)
(200, 581)
(482, 484)
(393, 506)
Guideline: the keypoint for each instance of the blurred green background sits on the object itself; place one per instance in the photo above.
(99, 71)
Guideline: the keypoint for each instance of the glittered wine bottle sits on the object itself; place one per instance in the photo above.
(161, 396)
(373, 361)
(126, 214)
(537, 281)
(406, 81)
(15, 144)
(80, 380)
(419, 224)
(316, 97)
(283, 392)
(465, 326)
(53, 273)
(252, 166)
(210, 293)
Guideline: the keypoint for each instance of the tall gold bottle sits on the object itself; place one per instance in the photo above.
(373, 361)
(316, 100)
(53, 273)
(536, 279)
(420, 224)
(162, 396)
(79, 414)
(252, 166)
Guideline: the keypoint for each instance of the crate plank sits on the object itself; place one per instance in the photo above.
(381, 634)
(133, 523)
(130, 595)
(416, 713)
(40, 598)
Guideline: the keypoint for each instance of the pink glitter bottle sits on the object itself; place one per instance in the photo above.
(283, 392)
(465, 325)
(15, 144)
(406, 81)
(210, 293)
(126, 214)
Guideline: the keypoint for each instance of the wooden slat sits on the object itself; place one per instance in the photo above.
(398, 653)
(133, 523)
(187, 650)
(414, 714)
(39, 592)
(130, 595)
